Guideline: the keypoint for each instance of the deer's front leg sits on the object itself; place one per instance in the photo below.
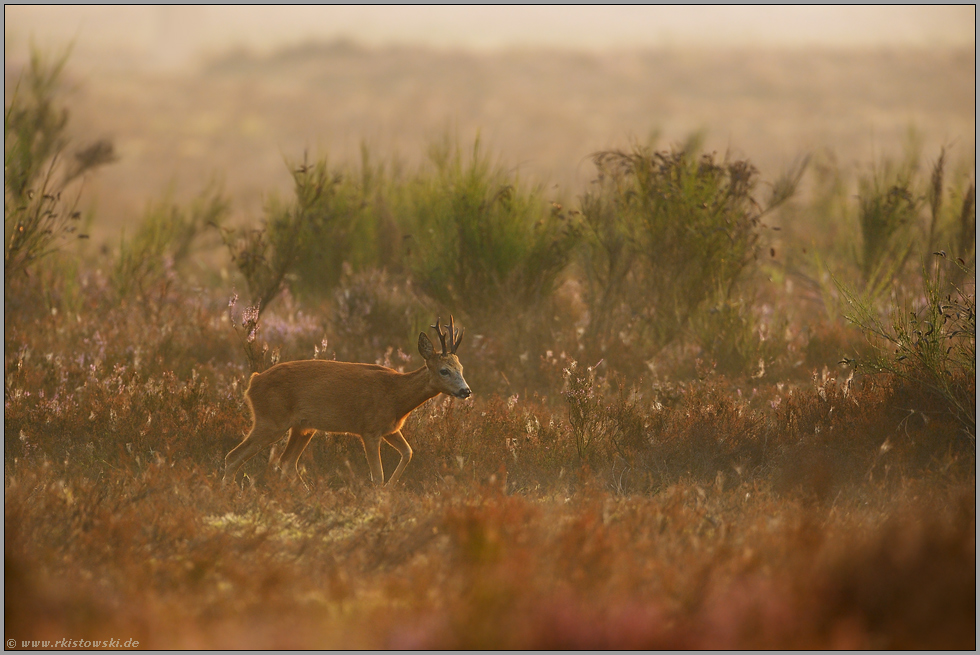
(398, 442)
(372, 449)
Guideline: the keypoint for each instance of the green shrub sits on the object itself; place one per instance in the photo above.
(929, 341)
(900, 214)
(338, 214)
(667, 235)
(304, 243)
(482, 242)
(42, 172)
(164, 239)
(374, 316)
(733, 339)
(888, 208)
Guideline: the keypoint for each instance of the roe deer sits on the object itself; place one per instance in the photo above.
(367, 400)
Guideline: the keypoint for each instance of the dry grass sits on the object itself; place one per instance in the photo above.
(586, 496)
(166, 557)
(707, 514)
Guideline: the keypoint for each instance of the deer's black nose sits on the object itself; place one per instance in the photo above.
(463, 393)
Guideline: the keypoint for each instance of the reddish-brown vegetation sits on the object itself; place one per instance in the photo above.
(715, 513)
(676, 439)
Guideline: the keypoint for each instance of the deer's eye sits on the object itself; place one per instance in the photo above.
(444, 371)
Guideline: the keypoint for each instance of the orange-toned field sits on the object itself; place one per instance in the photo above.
(715, 406)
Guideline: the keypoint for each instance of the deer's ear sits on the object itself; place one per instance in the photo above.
(425, 346)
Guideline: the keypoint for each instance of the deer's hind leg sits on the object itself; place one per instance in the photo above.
(299, 439)
(397, 441)
(372, 449)
(262, 434)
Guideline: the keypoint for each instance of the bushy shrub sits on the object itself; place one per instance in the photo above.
(42, 172)
(929, 340)
(734, 339)
(482, 242)
(888, 207)
(304, 243)
(376, 317)
(340, 212)
(668, 234)
(164, 239)
(894, 224)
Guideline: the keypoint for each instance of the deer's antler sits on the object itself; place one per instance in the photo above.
(455, 336)
(442, 335)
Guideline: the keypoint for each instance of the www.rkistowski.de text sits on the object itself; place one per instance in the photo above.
(72, 643)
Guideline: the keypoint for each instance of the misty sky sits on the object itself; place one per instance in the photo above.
(177, 35)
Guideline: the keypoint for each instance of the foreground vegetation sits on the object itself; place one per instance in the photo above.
(670, 444)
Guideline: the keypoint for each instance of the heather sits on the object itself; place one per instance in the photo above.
(701, 417)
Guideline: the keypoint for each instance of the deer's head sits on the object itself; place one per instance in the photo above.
(445, 371)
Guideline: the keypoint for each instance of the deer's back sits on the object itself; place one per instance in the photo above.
(324, 395)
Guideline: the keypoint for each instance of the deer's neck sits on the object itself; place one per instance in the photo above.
(413, 391)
